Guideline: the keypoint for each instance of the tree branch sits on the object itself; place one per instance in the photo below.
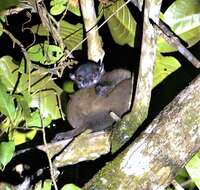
(140, 108)
(152, 161)
(94, 42)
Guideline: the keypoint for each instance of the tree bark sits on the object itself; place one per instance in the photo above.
(151, 162)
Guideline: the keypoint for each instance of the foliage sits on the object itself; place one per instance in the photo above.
(184, 19)
(20, 105)
(5, 4)
(121, 23)
(72, 34)
(6, 152)
(193, 169)
(70, 187)
(45, 53)
(59, 6)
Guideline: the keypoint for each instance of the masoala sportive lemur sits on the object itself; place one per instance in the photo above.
(100, 93)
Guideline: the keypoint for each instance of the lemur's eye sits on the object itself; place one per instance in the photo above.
(79, 78)
(94, 75)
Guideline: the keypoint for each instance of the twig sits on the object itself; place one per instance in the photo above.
(165, 32)
(185, 183)
(176, 185)
(52, 173)
(47, 21)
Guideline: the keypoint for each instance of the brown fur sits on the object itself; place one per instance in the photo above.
(87, 110)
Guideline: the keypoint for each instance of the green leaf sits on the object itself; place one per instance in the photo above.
(58, 2)
(70, 187)
(5, 4)
(7, 106)
(183, 17)
(20, 137)
(74, 9)
(57, 9)
(35, 120)
(46, 97)
(43, 185)
(193, 169)
(46, 101)
(3, 18)
(9, 75)
(165, 65)
(23, 103)
(40, 30)
(8, 72)
(6, 153)
(45, 53)
(36, 53)
(58, 6)
(122, 25)
(72, 34)
(47, 185)
(1, 29)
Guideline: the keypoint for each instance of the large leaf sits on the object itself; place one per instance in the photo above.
(74, 8)
(71, 34)
(8, 72)
(6, 153)
(44, 97)
(193, 169)
(10, 76)
(40, 30)
(122, 25)
(5, 4)
(165, 65)
(183, 17)
(7, 106)
(46, 101)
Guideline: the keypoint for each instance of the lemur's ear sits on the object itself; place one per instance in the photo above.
(101, 66)
(72, 76)
(99, 62)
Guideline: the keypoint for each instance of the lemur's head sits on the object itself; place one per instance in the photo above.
(88, 75)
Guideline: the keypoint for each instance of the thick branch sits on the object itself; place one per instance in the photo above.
(93, 145)
(139, 112)
(166, 145)
(95, 51)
